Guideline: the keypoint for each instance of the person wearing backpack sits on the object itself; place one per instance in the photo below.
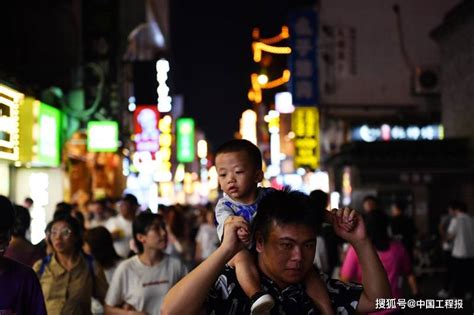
(69, 277)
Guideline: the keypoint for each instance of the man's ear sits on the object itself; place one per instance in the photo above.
(259, 242)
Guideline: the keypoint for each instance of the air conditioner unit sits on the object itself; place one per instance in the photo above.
(426, 80)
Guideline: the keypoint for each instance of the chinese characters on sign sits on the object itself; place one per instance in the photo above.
(9, 123)
(305, 125)
(389, 133)
(303, 31)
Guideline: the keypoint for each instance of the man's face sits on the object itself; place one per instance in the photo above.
(237, 176)
(369, 205)
(288, 254)
(126, 208)
(97, 209)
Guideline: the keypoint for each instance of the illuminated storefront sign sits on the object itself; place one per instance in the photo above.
(164, 100)
(9, 123)
(102, 136)
(305, 125)
(273, 120)
(284, 103)
(146, 135)
(163, 156)
(49, 124)
(40, 133)
(185, 140)
(390, 133)
(248, 126)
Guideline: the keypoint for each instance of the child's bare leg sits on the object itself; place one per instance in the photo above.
(316, 290)
(246, 272)
(249, 279)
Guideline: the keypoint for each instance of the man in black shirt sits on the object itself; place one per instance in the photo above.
(285, 242)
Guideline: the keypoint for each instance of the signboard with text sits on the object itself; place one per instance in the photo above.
(305, 125)
(303, 27)
(9, 123)
(387, 132)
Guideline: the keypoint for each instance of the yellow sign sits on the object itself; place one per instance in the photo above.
(305, 125)
(164, 153)
(9, 123)
(29, 132)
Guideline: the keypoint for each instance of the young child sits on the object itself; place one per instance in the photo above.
(239, 169)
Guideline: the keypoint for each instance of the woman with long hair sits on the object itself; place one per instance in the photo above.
(99, 244)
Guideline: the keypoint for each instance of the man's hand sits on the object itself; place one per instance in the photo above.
(348, 225)
(236, 231)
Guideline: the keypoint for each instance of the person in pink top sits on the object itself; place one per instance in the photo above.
(392, 254)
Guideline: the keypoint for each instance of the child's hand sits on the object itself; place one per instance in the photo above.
(243, 236)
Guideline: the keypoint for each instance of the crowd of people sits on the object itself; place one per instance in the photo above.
(257, 251)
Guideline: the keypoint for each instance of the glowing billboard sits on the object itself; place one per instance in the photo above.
(102, 136)
(185, 140)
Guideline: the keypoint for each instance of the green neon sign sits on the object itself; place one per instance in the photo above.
(185, 140)
(102, 136)
(49, 141)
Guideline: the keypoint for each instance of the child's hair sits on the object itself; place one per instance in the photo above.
(142, 224)
(242, 145)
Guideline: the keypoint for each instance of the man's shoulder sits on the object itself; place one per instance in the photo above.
(18, 270)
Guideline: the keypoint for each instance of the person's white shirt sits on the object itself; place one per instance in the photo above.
(144, 287)
(124, 227)
(321, 255)
(207, 238)
(462, 228)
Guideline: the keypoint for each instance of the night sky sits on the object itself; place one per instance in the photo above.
(211, 44)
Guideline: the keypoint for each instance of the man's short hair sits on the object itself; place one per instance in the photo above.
(22, 221)
(131, 199)
(242, 145)
(284, 206)
(370, 198)
(457, 205)
(7, 214)
(142, 224)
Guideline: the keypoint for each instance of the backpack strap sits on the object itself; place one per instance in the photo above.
(90, 267)
(44, 262)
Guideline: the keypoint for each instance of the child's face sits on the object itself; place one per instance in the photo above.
(238, 177)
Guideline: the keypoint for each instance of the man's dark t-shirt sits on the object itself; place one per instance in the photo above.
(20, 290)
(227, 297)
